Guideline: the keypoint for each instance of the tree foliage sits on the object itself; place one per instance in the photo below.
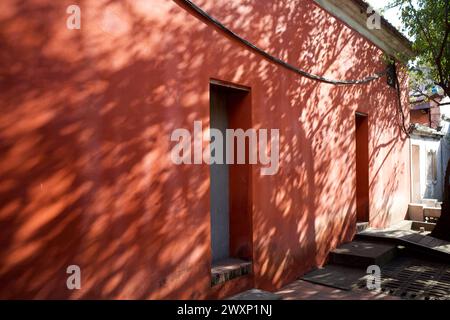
(427, 22)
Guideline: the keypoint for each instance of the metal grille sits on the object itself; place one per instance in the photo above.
(415, 279)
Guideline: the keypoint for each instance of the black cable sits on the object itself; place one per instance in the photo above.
(276, 60)
(402, 115)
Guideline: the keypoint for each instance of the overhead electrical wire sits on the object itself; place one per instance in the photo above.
(293, 68)
(276, 60)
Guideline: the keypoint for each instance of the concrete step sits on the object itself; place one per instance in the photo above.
(336, 276)
(430, 202)
(229, 269)
(361, 254)
(419, 242)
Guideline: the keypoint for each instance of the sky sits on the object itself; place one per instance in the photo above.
(392, 15)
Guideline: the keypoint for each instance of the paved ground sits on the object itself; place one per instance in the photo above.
(413, 277)
(303, 290)
(255, 294)
(410, 275)
(402, 278)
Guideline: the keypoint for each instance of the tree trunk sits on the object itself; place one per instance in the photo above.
(442, 229)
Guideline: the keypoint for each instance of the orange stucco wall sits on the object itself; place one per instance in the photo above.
(86, 118)
(420, 117)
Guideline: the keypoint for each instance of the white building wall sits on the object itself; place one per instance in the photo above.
(431, 185)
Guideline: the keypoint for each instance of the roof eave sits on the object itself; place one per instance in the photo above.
(354, 14)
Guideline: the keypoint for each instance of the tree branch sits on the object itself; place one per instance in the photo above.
(421, 26)
(423, 94)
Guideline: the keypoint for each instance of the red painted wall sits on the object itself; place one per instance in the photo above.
(421, 117)
(86, 175)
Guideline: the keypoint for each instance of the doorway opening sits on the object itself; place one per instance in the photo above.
(362, 167)
(230, 186)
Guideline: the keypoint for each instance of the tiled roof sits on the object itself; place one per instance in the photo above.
(364, 5)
